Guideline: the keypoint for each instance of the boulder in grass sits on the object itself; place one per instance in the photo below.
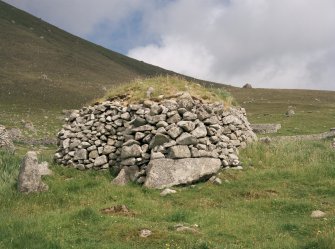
(126, 175)
(316, 214)
(164, 173)
(30, 174)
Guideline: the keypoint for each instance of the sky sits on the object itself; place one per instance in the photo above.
(267, 43)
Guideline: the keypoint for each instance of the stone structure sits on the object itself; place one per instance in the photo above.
(265, 128)
(5, 140)
(120, 136)
(247, 86)
(31, 172)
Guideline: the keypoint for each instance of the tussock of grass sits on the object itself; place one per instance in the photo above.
(9, 167)
(136, 91)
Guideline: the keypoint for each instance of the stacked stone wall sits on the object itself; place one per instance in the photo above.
(114, 135)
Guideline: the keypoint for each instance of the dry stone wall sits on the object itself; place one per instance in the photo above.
(5, 140)
(265, 128)
(120, 136)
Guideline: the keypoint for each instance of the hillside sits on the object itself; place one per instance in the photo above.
(314, 110)
(41, 63)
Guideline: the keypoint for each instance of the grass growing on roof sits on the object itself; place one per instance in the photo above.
(136, 90)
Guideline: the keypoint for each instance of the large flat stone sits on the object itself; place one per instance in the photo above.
(164, 173)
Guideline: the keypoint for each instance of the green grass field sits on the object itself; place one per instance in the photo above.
(315, 110)
(267, 205)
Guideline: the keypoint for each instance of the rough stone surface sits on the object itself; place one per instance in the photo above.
(179, 151)
(6, 142)
(200, 131)
(43, 169)
(101, 160)
(122, 178)
(189, 229)
(131, 151)
(318, 214)
(186, 139)
(175, 131)
(164, 173)
(187, 126)
(144, 233)
(265, 128)
(30, 174)
(80, 154)
(159, 139)
(167, 191)
(290, 113)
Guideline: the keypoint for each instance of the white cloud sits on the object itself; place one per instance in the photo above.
(277, 43)
(190, 59)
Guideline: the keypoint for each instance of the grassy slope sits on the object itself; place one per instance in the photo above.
(315, 110)
(265, 206)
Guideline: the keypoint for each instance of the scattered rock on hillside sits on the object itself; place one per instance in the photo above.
(184, 228)
(29, 126)
(149, 92)
(5, 140)
(117, 209)
(333, 143)
(247, 86)
(145, 233)
(215, 180)
(290, 112)
(167, 191)
(318, 214)
(30, 174)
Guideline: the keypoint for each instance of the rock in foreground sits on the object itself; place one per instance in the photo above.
(30, 174)
(164, 173)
